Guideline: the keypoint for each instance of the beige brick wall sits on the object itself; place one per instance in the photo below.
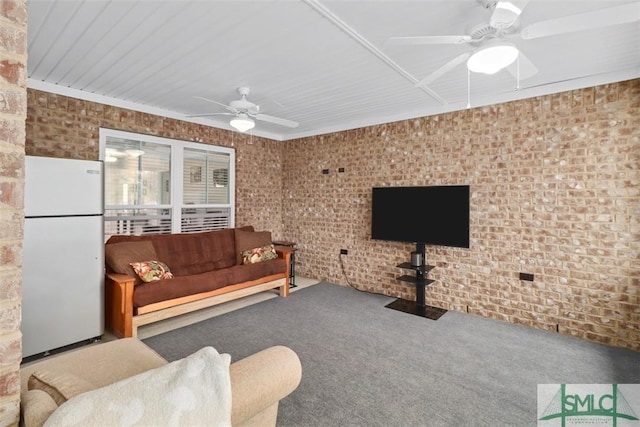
(13, 103)
(555, 191)
(60, 126)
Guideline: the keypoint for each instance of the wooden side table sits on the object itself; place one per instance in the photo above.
(292, 269)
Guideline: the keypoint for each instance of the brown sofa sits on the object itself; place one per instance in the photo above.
(207, 269)
(258, 382)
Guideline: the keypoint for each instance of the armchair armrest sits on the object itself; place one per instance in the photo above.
(260, 381)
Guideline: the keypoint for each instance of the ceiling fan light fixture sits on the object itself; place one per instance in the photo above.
(491, 59)
(242, 123)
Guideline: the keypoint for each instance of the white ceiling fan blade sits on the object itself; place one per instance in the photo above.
(210, 114)
(527, 68)
(233, 110)
(557, 82)
(506, 13)
(275, 120)
(443, 70)
(422, 40)
(616, 15)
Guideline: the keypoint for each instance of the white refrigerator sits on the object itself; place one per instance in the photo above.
(63, 254)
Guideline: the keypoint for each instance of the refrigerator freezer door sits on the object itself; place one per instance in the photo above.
(63, 282)
(56, 187)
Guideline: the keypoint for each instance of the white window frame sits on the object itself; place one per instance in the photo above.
(177, 173)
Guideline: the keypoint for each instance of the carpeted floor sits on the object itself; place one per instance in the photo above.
(367, 365)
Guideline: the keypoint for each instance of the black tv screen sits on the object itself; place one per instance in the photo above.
(433, 215)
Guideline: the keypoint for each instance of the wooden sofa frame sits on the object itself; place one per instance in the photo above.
(123, 319)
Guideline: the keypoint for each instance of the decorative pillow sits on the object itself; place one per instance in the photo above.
(119, 256)
(250, 239)
(194, 391)
(263, 253)
(150, 271)
(61, 386)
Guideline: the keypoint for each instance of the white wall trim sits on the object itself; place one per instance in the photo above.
(547, 89)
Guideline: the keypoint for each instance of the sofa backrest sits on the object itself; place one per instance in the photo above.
(191, 253)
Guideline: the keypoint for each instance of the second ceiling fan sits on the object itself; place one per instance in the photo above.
(491, 42)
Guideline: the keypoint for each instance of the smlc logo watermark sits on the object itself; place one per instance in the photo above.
(561, 405)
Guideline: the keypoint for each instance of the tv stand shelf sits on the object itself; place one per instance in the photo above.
(423, 268)
(418, 307)
(415, 280)
(418, 278)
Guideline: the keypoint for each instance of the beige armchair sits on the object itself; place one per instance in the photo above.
(258, 382)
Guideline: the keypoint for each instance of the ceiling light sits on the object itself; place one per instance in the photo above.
(242, 122)
(491, 59)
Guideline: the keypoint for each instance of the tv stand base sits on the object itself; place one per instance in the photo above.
(411, 307)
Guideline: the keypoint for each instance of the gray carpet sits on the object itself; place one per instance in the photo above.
(367, 365)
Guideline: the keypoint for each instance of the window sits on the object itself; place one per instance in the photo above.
(161, 185)
(204, 186)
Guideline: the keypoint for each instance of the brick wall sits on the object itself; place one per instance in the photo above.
(13, 59)
(555, 191)
(60, 126)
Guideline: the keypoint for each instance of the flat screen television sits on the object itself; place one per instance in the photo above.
(430, 215)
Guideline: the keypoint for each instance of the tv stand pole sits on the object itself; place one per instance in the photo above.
(418, 308)
(420, 278)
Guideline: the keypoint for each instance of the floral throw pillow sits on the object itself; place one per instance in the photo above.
(150, 271)
(263, 253)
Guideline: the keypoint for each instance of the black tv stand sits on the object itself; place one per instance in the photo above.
(417, 308)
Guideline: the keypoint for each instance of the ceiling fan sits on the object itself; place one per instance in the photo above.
(244, 112)
(492, 49)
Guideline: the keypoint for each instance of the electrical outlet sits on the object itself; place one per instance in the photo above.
(526, 276)
(344, 252)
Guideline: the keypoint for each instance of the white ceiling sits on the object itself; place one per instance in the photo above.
(327, 65)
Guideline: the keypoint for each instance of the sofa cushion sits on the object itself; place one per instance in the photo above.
(150, 271)
(192, 391)
(180, 286)
(245, 273)
(119, 256)
(60, 385)
(245, 240)
(190, 253)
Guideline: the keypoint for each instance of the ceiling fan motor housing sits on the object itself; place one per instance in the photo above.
(243, 105)
(481, 31)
